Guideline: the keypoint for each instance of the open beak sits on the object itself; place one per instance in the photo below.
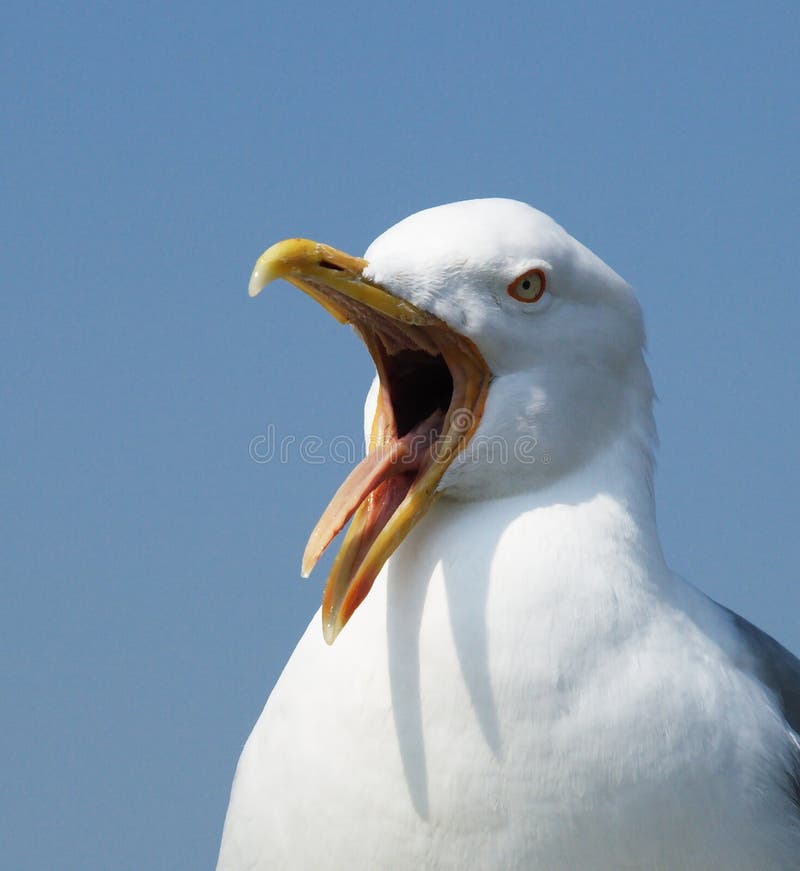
(433, 385)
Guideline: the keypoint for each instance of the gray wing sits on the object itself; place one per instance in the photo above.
(777, 667)
(780, 671)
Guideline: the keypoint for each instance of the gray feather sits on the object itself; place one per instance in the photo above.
(780, 671)
(777, 667)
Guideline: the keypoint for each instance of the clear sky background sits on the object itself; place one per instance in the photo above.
(150, 152)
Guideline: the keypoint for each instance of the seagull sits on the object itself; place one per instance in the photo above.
(518, 680)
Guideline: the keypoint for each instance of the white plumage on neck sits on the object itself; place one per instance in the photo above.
(521, 664)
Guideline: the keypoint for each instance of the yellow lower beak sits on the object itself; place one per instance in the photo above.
(397, 482)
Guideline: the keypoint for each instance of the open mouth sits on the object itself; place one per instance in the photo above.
(433, 385)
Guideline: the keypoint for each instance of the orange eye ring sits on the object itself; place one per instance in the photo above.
(528, 287)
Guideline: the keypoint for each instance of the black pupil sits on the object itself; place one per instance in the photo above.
(526, 284)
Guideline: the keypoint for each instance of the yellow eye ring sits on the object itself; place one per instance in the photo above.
(528, 287)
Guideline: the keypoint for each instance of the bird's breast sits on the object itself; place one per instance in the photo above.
(508, 689)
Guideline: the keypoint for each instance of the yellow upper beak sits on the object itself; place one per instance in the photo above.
(304, 263)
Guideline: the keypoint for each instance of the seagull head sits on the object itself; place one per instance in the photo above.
(507, 355)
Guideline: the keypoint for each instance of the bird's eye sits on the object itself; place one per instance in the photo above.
(528, 287)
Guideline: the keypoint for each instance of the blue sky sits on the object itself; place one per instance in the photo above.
(151, 591)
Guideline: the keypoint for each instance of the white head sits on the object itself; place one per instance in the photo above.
(568, 373)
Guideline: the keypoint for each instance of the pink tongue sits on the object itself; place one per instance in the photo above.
(399, 457)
